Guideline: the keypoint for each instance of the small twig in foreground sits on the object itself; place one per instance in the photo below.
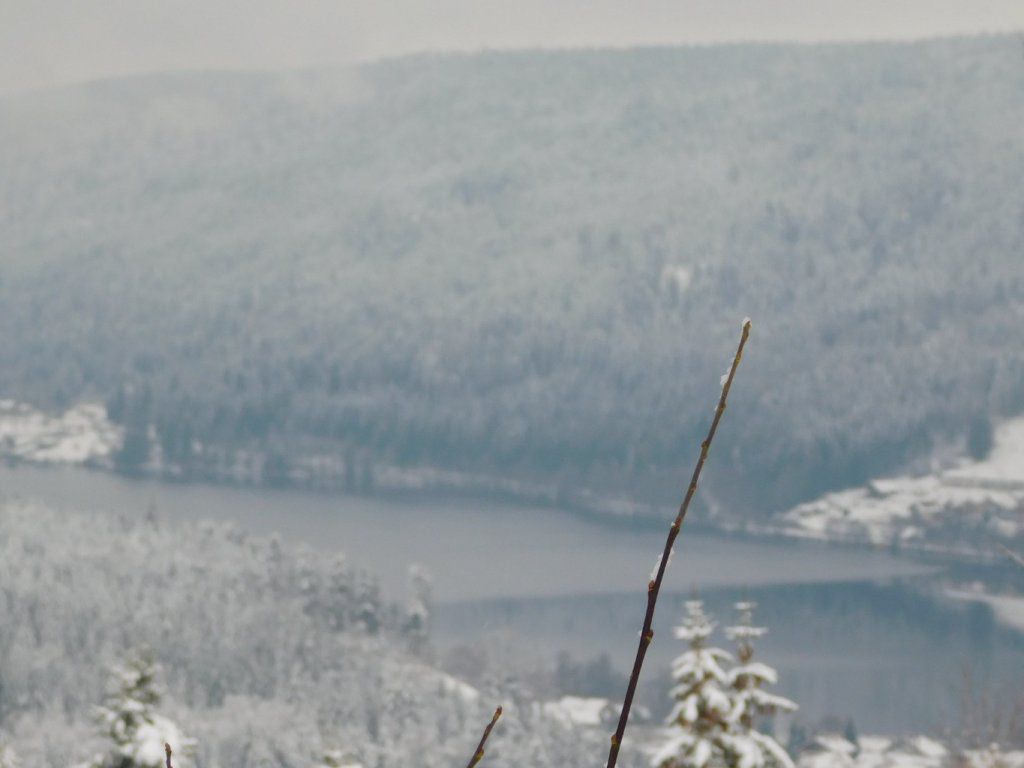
(479, 754)
(167, 751)
(654, 585)
(1012, 555)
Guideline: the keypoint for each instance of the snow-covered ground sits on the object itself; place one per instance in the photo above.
(834, 751)
(580, 710)
(79, 435)
(830, 750)
(458, 688)
(593, 712)
(1008, 609)
(984, 496)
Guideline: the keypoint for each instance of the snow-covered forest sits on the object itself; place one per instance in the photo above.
(265, 655)
(121, 632)
(518, 267)
(345, 402)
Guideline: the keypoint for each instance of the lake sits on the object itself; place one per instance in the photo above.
(854, 633)
(474, 549)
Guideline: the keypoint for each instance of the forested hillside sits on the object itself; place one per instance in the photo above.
(531, 265)
(270, 654)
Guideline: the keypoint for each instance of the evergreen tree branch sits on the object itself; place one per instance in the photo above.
(654, 586)
(479, 754)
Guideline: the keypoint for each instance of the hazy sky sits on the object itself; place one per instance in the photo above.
(43, 42)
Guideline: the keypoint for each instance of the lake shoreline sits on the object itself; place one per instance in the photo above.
(490, 548)
(543, 580)
(867, 518)
(640, 517)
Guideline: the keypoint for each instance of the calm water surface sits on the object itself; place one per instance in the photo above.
(474, 549)
(852, 632)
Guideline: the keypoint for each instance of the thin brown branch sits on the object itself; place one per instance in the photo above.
(654, 586)
(479, 754)
(167, 751)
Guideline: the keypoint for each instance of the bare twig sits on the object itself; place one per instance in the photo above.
(1015, 557)
(654, 585)
(167, 751)
(479, 754)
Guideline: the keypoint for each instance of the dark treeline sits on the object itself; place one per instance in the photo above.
(531, 264)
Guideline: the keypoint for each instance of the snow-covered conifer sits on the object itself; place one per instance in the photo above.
(718, 703)
(751, 702)
(366, 602)
(129, 720)
(417, 614)
(339, 600)
(700, 719)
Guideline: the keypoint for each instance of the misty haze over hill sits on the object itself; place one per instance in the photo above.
(532, 265)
